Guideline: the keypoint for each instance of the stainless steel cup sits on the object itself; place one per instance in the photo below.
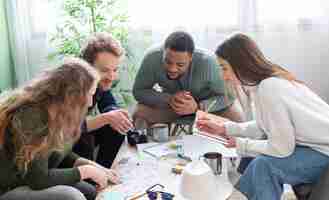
(214, 160)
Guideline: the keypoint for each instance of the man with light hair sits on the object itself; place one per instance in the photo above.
(107, 120)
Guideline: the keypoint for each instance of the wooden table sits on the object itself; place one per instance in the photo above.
(170, 180)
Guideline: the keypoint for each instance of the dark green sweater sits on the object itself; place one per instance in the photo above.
(42, 172)
(203, 80)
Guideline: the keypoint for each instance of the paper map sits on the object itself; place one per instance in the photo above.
(137, 175)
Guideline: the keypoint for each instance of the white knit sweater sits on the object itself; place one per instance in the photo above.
(287, 114)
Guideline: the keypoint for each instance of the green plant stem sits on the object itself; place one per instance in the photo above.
(93, 19)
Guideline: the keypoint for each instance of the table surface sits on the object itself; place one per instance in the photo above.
(166, 177)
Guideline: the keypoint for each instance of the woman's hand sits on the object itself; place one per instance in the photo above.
(231, 142)
(94, 173)
(113, 176)
(211, 126)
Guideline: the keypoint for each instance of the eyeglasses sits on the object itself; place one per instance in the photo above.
(154, 194)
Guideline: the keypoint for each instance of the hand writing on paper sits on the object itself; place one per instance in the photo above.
(231, 142)
(206, 122)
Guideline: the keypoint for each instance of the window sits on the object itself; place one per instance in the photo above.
(38, 11)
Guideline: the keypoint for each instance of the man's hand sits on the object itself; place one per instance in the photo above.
(118, 120)
(183, 103)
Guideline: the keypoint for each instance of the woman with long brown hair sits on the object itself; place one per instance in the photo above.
(39, 124)
(289, 136)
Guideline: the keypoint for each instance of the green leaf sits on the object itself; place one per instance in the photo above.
(83, 17)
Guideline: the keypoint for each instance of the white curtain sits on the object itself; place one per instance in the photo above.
(292, 33)
(247, 15)
(27, 32)
(209, 21)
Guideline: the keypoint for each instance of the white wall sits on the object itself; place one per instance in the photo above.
(304, 53)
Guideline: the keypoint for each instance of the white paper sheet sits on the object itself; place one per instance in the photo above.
(195, 146)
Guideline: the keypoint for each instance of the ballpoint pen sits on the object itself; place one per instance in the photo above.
(136, 196)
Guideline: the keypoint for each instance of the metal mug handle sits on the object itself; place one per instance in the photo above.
(216, 169)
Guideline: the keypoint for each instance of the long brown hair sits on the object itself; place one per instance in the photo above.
(62, 93)
(248, 62)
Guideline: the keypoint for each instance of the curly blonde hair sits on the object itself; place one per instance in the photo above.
(62, 94)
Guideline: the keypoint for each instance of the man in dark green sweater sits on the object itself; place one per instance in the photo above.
(176, 80)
